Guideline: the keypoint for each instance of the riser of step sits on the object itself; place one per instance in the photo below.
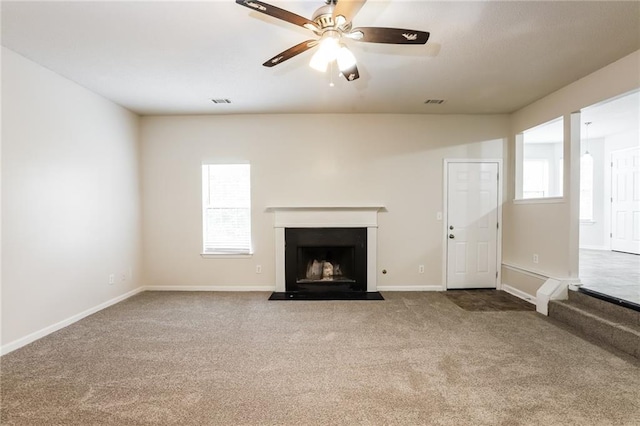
(623, 337)
(605, 309)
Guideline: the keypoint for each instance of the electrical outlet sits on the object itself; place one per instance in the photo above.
(421, 269)
(536, 259)
(439, 216)
(258, 269)
(112, 279)
(123, 277)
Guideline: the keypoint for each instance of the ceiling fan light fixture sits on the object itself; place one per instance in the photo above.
(318, 62)
(327, 53)
(346, 59)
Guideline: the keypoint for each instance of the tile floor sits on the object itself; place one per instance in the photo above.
(487, 301)
(612, 273)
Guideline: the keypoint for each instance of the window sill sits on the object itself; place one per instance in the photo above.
(226, 255)
(548, 200)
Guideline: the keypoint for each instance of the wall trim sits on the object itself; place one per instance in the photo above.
(519, 293)
(208, 288)
(23, 341)
(411, 288)
(552, 289)
(603, 248)
(526, 271)
(538, 274)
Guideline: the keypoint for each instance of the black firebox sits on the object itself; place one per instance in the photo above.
(330, 260)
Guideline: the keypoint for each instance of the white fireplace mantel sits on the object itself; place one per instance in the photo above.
(327, 217)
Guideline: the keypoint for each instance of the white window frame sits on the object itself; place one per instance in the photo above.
(245, 248)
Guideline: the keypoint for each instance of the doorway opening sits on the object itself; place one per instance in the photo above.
(609, 244)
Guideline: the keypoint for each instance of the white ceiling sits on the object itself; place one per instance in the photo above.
(172, 57)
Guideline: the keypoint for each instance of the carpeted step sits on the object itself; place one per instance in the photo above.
(606, 309)
(613, 325)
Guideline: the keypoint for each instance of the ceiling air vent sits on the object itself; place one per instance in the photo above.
(221, 101)
(434, 101)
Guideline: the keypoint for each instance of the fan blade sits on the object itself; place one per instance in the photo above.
(290, 53)
(352, 73)
(276, 12)
(347, 9)
(388, 35)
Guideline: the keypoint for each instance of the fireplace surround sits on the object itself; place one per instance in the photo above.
(319, 218)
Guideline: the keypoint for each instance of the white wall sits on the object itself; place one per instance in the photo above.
(592, 233)
(393, 160)
(551, 229)
(71, 200)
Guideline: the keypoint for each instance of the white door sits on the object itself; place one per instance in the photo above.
(625, 200)
(472, 225)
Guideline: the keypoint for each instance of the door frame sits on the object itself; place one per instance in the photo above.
(445, 212)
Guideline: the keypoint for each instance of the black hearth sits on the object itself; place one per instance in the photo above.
(325, 260)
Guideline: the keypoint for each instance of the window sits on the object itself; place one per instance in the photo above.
(535, 178)
(226, 208)
(539, 166)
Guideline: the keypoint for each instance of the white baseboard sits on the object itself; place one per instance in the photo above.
(519, 293)
(603, 248)
(410, 288)
(208, 288)
(18, 343)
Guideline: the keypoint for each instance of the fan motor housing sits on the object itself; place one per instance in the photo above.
(323, 17)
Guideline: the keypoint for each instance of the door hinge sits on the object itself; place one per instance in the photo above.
(496, 274)
(610, 234)
(498, 225)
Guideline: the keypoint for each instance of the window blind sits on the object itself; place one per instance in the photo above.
(226, 208)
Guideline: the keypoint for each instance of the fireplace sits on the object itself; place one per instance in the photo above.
(323, 221)
(326, 259)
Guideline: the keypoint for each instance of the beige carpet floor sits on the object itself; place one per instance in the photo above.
(168, 358)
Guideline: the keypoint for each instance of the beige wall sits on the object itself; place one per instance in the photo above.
(526, 283)
(551, 230)
(335, 160)
(71, 197)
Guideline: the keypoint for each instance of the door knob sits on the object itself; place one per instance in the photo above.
(451, 236)
(451, 227)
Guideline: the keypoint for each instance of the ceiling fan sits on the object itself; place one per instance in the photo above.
(332, 23)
